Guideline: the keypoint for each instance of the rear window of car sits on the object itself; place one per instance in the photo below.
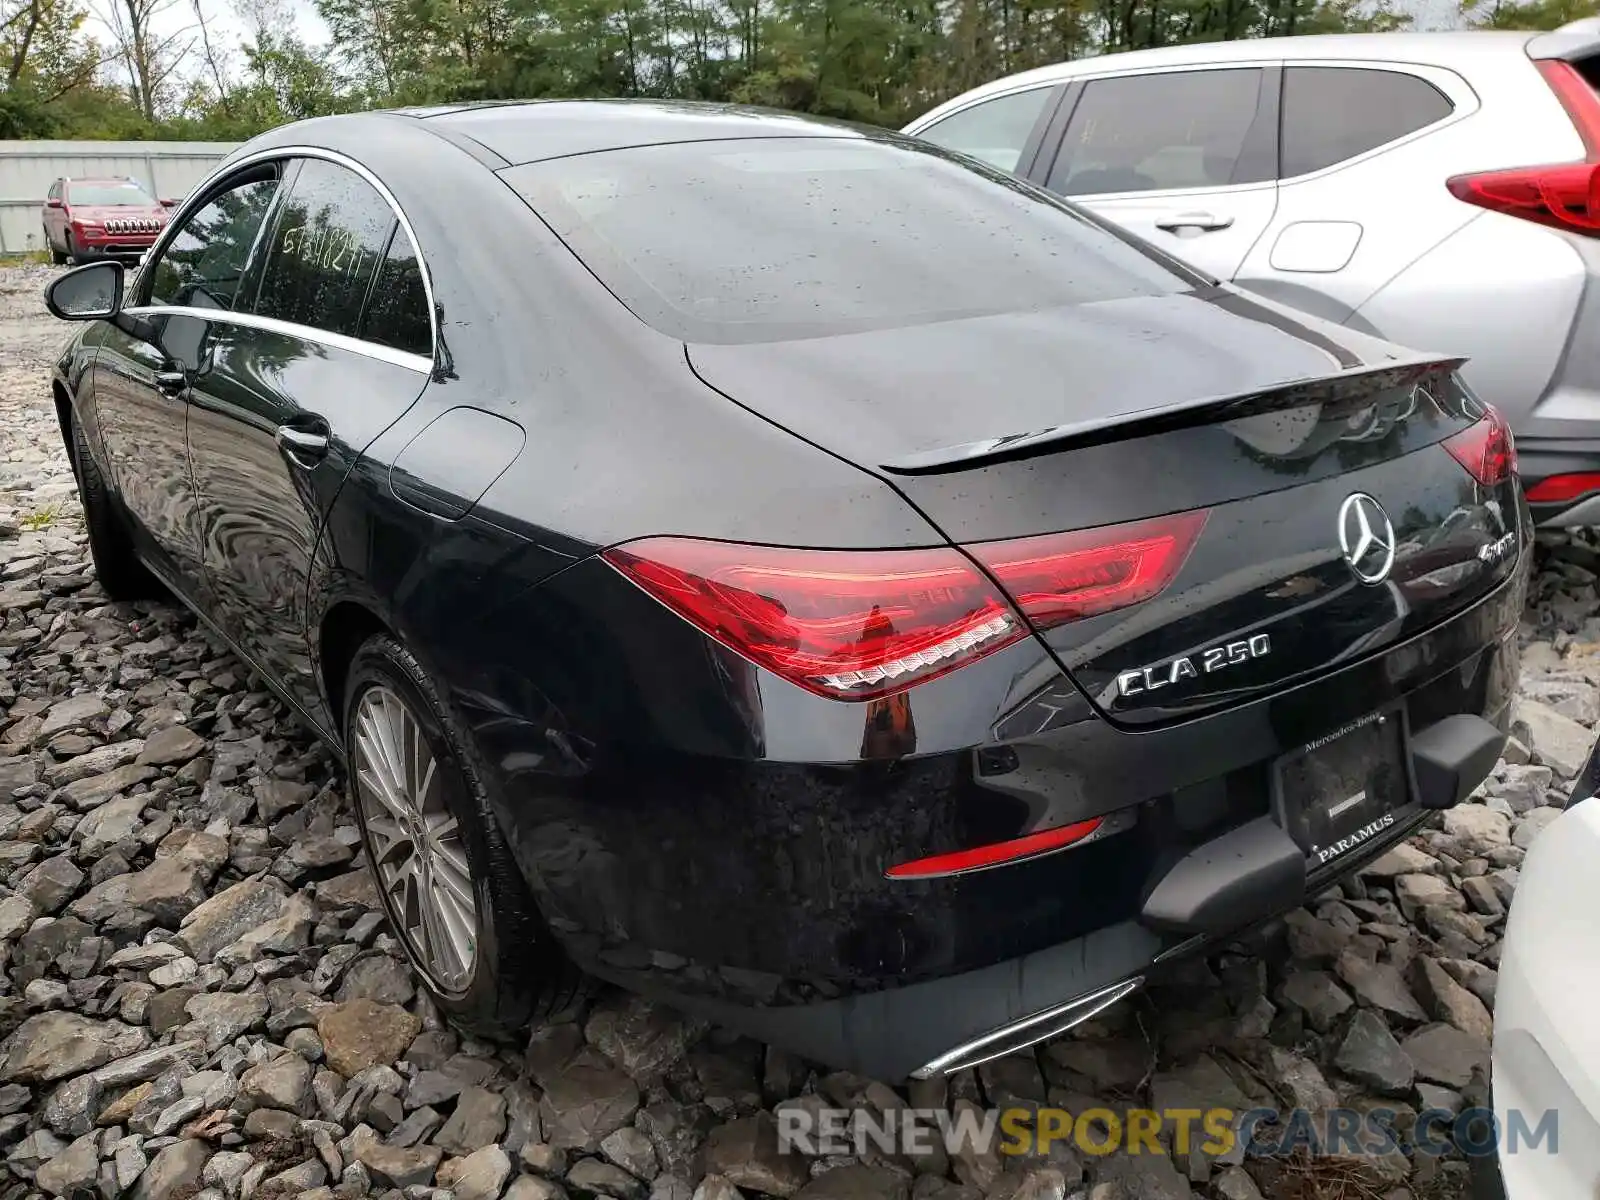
(781, 238)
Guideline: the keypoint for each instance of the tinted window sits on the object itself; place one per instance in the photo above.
(995, 131)
(110, 195)
(1183, 129)
(328, 241)
(775, 238)
(202, 265)
(398, 312)
(1334, 113)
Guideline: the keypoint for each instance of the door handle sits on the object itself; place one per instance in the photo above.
(1203, 221)
(302, 445)
(171, 383)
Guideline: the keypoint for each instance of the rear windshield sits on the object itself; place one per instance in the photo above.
(765, 240)
(116, 195)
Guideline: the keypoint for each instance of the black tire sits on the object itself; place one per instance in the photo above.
(122, 576)
(58, 257)
(519, 975)
(69, 255)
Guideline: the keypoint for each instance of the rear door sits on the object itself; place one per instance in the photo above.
(335, 345)
(1357, 136)
(1184, 158)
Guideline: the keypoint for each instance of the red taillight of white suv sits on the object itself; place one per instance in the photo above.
(1561, 195)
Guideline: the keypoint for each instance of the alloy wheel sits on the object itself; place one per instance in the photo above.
(415, 839)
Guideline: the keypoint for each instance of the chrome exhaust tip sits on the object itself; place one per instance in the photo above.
(1020, 1034)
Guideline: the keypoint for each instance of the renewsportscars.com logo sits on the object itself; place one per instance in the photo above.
(1215, 1132)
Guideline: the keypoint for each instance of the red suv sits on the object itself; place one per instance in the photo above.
(100, 218)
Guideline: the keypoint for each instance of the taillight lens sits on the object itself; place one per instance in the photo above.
(1565, 196)
(1561, 195)
(860, 624)
(1486, 449)
(1559, 488)
(1061, 577)
(849, 624)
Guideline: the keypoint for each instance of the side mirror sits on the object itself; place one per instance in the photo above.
(88, 293)
(55, 202)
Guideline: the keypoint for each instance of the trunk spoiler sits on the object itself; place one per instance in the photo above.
(1179, 414)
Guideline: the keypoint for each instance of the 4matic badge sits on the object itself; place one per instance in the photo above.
(1191, 666)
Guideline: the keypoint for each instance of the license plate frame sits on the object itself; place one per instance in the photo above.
(1338, 792)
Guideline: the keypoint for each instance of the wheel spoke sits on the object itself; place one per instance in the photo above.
(424, 873)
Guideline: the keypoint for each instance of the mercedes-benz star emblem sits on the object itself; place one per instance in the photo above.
(1366, 537)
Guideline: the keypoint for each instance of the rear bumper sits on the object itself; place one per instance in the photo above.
(934, 1017)
(1546, 1056)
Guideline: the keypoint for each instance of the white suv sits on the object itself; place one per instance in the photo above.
(1439, 189)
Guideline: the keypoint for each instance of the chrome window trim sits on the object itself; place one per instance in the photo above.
(196, 199)
(306, 333)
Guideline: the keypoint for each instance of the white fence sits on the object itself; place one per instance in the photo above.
(27, 169)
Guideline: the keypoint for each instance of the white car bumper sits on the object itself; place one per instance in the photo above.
(1546, 1055)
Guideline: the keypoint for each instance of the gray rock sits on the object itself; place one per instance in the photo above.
(1444, 1054)
(584, 1103)
(72, 1108)
(642, 1039)
(746, 1153)
(1447, 1000)
(98, 761)
(174, 1172)
(52, 883)
(531, 1187)
(1532, 825)
(598, 1178)
(1380, 986)
(55, 1045)
(481, 1175)
(479, 1120)
(1558, 741)
(174, 744)
(1236, 1184)
(78, 1166)
(398, 1166)
(1370, 1055)
(218, 1019)
(85, 794)
(1317, 995)
(283, 1082)
(631, 1150)
(226, 1170)
(858, 1181)
(228, 915)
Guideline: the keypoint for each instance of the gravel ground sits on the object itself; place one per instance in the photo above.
(199, 996)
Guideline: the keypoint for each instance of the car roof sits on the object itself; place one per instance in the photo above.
(1445, 48)
(533, 130)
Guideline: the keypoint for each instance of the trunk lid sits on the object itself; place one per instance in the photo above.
(1297, 445)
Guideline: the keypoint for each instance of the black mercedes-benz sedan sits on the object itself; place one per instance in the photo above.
(790, 570)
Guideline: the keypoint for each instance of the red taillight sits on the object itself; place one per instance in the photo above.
(1062, 577)
(1560, 488)
(1487, 450)
(850, 624)
(996, 853)
(860, 624)
(1561, 195)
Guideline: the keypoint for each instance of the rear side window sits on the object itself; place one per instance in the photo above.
(770, 239)
(1331, 114)
(397, 314)
(994, 130)
(329, 238)
(1177, 129)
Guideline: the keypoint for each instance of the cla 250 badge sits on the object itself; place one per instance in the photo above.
(1191, 666)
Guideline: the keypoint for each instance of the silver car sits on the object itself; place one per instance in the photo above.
(1439, 189)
